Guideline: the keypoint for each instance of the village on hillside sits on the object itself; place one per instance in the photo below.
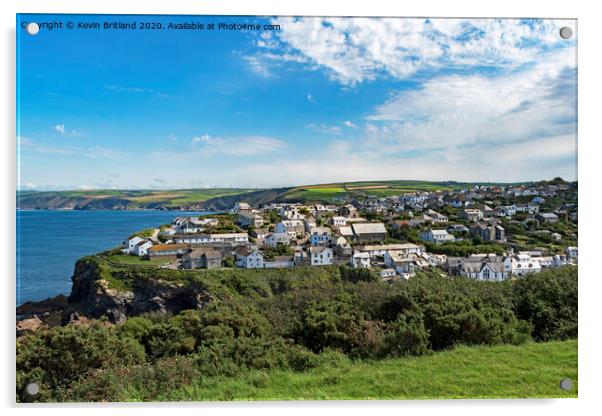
(486, 232)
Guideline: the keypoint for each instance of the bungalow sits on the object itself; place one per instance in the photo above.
(360, 260)
(275, 239)
(370, 231)
(202, 258)
(320, 236)
(437, 236)
(320, 255)
(292, 227)
(163, 250)
(249, 258)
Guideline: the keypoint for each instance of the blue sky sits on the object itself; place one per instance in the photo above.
(320, 100)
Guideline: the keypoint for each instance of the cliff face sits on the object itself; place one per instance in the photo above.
(93, 297)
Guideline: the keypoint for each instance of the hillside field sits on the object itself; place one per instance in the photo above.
(533, 370)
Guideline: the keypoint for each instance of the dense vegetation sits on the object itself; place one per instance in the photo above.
(292, 321)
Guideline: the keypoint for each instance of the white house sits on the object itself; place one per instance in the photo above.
(320, 256)
(292, 227)
(436, 217)
(274, 239)
(485, 270)
(320, 236)
(380, 250)
(572, 252)
(230, 238)
(249, 258)
(404, 263)
(131, 243)
(360, 260)
(387, 273)
(249, 219)
(339, 221)
(141, 249)
(521, 264)
(437, 236)
(241, 207)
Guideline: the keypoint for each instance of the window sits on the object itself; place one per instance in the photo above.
(486, 274)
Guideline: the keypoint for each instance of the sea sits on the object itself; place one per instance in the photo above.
(49, 243)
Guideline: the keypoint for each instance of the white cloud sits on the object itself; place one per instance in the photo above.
(258, 66)
(324, 128)
(137, 90)
(60, 128)
(349, 124)
(96, 152)
(354, 50)
(466, 110)
(236, 146)
(310, 98)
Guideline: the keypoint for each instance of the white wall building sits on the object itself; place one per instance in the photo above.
(320, 256)
(437, 236)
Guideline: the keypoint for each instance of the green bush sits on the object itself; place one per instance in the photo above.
(55, 357)
(407, 336)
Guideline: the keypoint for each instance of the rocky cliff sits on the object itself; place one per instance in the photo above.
(94, 295)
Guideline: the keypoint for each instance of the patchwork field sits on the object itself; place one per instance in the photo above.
(221, 198)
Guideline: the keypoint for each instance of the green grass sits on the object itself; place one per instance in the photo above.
(528, 371)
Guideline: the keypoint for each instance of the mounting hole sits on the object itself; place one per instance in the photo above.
(566, 384)
(566, 32)
(32, 389)
(32, 28)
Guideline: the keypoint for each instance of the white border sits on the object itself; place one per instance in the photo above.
(589, 177)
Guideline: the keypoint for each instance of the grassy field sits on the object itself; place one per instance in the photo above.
(531, 370)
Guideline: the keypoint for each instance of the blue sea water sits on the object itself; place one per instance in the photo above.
(49, 243)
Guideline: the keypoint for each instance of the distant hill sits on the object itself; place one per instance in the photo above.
(221, 198)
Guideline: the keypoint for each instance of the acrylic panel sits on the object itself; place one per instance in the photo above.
(295, 208)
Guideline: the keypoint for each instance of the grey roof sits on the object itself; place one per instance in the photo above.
(370, 228)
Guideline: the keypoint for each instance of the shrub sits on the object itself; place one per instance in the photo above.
(407, 336)
(54, 357)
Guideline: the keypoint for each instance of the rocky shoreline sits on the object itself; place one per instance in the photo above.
(93, 298)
